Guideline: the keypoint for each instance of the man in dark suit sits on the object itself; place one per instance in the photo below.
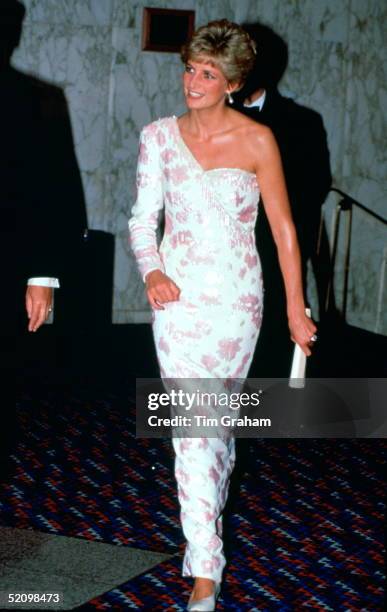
(41, 203)
(26, 224)
(301, 138)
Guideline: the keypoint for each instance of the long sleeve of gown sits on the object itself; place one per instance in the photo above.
(149, 202)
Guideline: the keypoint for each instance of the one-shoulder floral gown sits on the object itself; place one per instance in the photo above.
(208, 250)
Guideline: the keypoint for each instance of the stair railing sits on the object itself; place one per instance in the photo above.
(346, 204)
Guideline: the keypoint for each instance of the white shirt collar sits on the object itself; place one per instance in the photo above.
(258, 103)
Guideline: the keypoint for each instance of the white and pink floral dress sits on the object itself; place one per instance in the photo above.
(208, 250)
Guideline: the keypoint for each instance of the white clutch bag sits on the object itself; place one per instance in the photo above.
(297, 370)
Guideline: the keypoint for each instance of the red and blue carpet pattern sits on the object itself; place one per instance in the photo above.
(304, 523)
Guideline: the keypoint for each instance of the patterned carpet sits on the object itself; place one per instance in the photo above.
(304, 522)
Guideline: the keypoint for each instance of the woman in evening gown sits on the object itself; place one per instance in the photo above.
(206, 170)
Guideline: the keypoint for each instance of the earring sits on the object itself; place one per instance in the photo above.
(230, 98)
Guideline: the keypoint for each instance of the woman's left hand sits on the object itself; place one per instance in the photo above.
(302, 330)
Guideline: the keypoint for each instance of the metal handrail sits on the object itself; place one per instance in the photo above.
(345, 204)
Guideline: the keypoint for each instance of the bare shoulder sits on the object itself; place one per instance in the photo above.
(256, 142)
(251, 130)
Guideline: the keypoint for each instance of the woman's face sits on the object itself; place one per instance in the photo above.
(204, 84)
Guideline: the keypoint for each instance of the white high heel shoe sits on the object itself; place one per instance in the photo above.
(207, 604)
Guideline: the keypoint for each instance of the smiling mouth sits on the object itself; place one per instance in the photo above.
(194, 94)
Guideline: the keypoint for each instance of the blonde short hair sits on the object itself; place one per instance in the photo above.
(227, 45)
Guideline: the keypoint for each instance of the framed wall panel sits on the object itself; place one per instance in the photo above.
(166, 29)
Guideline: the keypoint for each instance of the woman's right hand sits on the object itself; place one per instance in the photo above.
(160, 289)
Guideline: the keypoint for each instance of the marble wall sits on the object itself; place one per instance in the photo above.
(336, 65)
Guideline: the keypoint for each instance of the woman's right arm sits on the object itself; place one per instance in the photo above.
(144, 222)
